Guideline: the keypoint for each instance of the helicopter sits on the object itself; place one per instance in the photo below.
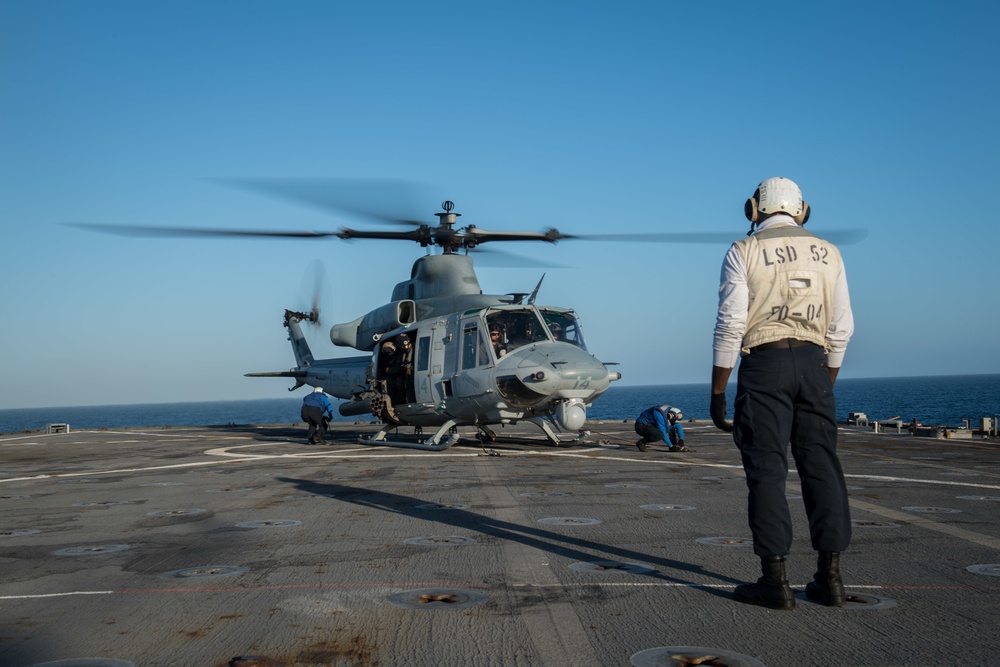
(475, 359)
(442, 354)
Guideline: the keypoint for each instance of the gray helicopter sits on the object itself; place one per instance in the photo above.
(441, 354)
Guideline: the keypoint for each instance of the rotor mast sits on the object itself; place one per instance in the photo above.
(445, 236)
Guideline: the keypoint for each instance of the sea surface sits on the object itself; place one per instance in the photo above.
(937, 400)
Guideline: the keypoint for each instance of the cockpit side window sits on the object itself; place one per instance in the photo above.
(564, 327)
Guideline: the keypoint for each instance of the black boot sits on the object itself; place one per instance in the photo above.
(827, 588)
(641, 444)
(771, 590)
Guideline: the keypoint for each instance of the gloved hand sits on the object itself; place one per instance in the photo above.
(718, 412)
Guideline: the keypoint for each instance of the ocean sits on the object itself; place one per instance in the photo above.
(936, 400)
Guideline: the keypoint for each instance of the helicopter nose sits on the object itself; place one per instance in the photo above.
(550, 371)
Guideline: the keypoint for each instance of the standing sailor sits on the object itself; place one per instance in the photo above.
(784, 306)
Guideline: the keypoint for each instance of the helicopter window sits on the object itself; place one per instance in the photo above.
(470, 344)
(514, 328)
(423, 352)
(564, 327)
(484, 356)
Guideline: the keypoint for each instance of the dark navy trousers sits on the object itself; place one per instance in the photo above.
(649, 432)
(785, 397)
(313, 416)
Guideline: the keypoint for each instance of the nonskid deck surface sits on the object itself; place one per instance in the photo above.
(244, 545)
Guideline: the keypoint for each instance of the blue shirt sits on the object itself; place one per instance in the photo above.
(318, 399)
(657, 416)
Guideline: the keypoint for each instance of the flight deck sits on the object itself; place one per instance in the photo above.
(243, 546)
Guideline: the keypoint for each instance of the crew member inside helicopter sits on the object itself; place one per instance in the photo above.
(498, 340)
(404, 386)
(390, 367)
(557, 331)
(396, 362)
(515, 328)
(563, 327)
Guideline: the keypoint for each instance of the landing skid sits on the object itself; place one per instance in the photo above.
(553, 437)
(445, 437)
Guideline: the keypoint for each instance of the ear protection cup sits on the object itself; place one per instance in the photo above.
(750, 208)
(803, 217)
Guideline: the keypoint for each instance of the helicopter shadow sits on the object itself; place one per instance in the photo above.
(557, 544)
(292, 433)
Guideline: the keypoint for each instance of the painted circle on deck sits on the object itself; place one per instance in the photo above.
(436, 599)
(692, 655)
(269, 523)
(568, 521)
(103, 503)
(169, 513)
(863, 523)
(990, 570)
(18, 532)
(854, 601)
(92, 550)
(439, 541)
(726, 541)
(931, 510)
(205, 572)
(443, 506)
(667, 507)
(611, 567)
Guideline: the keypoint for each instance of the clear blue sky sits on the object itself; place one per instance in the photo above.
(590, 117)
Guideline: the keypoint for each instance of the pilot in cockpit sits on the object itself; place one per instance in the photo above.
(498, 340)
(557, 331)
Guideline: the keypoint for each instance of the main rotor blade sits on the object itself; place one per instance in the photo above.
(419, 234)
(478, 235)
(844, 236)
(135, 230)
(393, 202)
(840, 237)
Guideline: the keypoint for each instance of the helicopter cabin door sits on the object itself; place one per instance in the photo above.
(472, 377)
(429, 364)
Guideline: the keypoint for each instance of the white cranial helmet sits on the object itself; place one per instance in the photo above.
(779, 195)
